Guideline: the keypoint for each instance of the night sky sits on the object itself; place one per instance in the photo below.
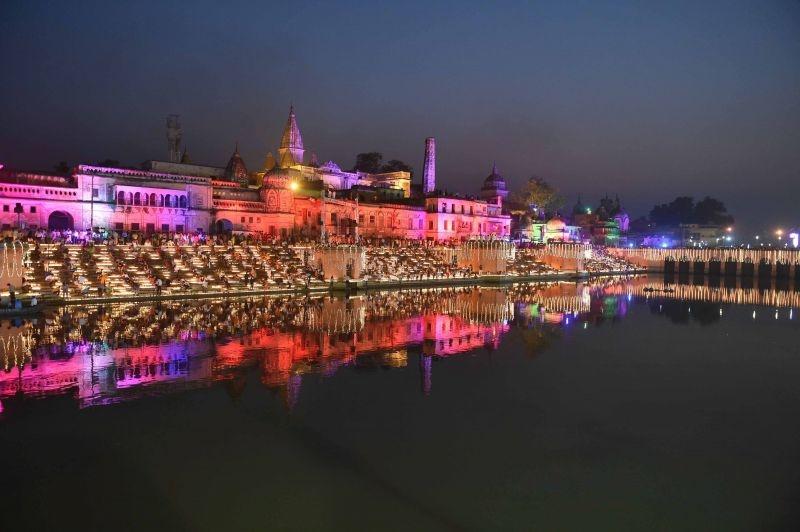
(647, 100)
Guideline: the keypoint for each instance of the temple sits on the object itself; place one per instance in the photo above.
(290, 195)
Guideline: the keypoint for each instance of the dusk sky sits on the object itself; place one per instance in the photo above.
(648, 100)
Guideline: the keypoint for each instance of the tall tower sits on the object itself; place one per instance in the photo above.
(429, 166)
(174, 134)
(291, 150)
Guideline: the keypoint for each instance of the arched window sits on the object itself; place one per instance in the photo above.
(153, 199)
(182, 202)
(120, 198)
(168, 200)
(137, 199)
(129, 198)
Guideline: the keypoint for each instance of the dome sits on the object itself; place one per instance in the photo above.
(331, 167)
(555, 224)
(236, 170)
(494, 181)
(579, 207)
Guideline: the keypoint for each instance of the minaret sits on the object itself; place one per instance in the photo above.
(174, 134)
(291, 149)
(429, 166)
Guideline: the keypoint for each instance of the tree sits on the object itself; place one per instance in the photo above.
(712, 211)
(369, 162)
(395, 165)
(683, 210)
(678, 211)
(536, 195)
(62, 168)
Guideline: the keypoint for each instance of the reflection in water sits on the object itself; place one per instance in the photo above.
(111, 353)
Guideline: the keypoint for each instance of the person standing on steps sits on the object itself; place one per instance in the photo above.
(12, 296)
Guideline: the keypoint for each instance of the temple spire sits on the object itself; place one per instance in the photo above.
(291, 141)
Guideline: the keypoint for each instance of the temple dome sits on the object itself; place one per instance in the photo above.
(331, 167)
(555, 224)
(579, 207)
(236, 170)
(494, 181)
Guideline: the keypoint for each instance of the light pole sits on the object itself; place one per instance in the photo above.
(91, 206)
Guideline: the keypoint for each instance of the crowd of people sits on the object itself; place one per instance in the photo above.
(602, 262)
(74, 264)
(163, 267)
(413, 262)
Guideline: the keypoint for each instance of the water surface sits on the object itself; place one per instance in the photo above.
(603, 406)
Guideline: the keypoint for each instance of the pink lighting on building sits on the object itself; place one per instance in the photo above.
(284, 197)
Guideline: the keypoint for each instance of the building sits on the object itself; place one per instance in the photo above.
(286, 196)
(605, 224)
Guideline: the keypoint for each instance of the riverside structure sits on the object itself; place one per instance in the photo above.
(290, 196)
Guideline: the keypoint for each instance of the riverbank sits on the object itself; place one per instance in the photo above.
(316, 288)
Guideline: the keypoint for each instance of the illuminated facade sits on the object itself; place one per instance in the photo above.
(286, 196)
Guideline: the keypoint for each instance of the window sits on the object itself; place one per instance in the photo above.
(165, 228)
(118, 226)
(453, 208)
(333, 218)
(430, 225)
(462, 209)
(371, 219)
(470, 209)
(179, 228)
(242, 219)
(445, 225)
(134, 227)
(5, 208)
(33, 210)
(95, 193)
(250, 220)
(361, 218)
(444, 207)
(420, 224)
(150, 228)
